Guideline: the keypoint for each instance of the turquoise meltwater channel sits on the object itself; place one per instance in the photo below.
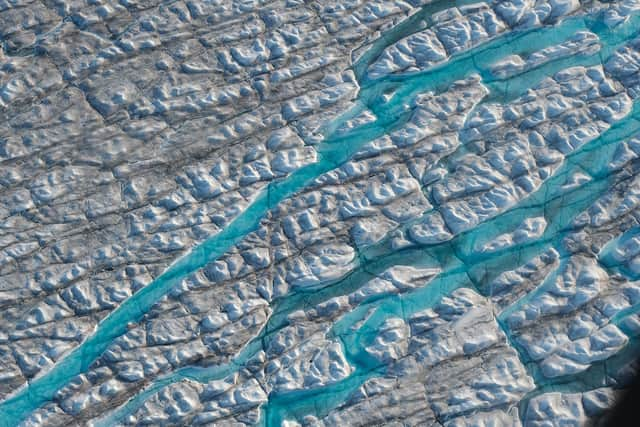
(333, 152)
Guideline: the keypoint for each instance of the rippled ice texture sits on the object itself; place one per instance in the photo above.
(318, 213)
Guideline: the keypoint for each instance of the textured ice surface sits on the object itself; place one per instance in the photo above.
(398, 212)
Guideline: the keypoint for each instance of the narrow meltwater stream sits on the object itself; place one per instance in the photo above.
(206, 374)
(473, 269)
(417, 22)
(462, 266)
(332, 153)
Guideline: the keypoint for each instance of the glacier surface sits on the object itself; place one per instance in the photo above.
(318, 212)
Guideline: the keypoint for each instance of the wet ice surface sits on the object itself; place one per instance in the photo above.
(318, 213)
